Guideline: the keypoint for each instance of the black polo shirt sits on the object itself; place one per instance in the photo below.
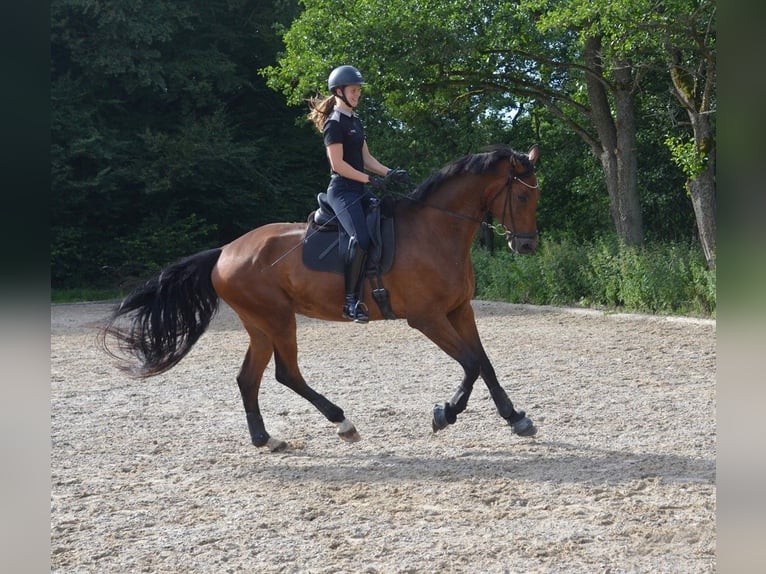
(344, 128)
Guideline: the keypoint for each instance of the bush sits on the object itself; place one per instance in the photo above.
(663, 278)
(80, 262)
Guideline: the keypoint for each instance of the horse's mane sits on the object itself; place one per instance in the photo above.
(475, 163)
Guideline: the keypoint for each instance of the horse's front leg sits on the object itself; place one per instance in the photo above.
(464, 322)
(446, 414)
(520, 423)
(441, 331)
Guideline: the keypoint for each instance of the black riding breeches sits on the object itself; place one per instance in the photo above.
(348, 200)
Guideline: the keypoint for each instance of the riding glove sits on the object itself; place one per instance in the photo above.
(377, 183)
(398, 176)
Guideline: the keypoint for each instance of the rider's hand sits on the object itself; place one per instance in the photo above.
(377, 183)
(398, 176)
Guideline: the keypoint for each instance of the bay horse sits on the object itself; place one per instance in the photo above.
(262, 277)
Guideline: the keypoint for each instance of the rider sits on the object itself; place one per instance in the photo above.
(349, 157)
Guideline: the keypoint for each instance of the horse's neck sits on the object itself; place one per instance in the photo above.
(461, 198)
(455, 207)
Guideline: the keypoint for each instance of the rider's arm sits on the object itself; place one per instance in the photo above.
(341, 167)
(372, 164)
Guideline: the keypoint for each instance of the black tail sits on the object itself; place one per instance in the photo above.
(166, 316)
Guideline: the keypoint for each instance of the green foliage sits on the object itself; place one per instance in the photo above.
(574, 202)
(663, 278)
(84, 294)
(168, 137)
(164, 138)
(458, 75)
(153, 245)
(81, 260)
(665, 205)
(687, 155)
(419, 109)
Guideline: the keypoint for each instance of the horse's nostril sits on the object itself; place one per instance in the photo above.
(526, 247)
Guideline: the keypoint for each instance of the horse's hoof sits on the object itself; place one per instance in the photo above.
(276, 445)
(524, 426)
(347, 431)
(439, 421)
(260, 439)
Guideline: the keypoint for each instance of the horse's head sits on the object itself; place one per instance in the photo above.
(514, 204)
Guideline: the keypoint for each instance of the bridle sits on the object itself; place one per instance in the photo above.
(500, 228)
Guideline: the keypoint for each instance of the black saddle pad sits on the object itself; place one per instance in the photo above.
(325, 249)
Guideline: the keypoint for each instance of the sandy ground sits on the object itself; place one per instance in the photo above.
(160, 476)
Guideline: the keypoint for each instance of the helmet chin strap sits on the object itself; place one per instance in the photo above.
(342, 96)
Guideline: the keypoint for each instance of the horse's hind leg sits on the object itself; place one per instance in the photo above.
(249, 380)
(288, 373)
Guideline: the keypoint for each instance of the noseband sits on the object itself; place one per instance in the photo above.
(500, 228)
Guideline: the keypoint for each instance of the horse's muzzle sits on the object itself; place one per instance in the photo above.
(523, 244)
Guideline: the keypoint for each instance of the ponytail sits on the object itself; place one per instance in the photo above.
(320, 110)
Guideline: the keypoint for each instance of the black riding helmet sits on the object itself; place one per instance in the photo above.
(343, 76)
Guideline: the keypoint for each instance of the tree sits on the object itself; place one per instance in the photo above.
(165, 138)
(484, 58)
(674, 35)
(691, 60)
(583, 61)
(645, 36)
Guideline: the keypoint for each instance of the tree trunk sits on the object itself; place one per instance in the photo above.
(702, 188)
(702, 184)
(616, 146)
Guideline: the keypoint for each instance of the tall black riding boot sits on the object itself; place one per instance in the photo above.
(353, 308)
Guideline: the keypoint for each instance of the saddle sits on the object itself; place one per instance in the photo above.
(325, 244)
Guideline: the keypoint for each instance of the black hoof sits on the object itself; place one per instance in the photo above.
(259, 437)
(260, 440)
(523, 425)
(440, 418)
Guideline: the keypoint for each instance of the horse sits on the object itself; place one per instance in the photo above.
(262, 277)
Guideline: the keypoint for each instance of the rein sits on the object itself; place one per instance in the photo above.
(499, 228)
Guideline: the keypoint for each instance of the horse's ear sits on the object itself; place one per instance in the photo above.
(534, 154)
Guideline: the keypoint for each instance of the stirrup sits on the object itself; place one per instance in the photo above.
(356, 311)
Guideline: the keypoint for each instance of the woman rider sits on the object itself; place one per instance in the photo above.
(349, 157)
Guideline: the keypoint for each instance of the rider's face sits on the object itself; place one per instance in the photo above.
(353, 94)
